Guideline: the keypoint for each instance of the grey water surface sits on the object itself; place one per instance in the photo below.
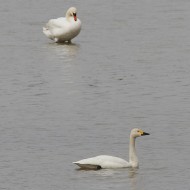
(129, 67)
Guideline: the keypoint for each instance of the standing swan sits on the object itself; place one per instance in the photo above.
(63, 29)
(106, 162)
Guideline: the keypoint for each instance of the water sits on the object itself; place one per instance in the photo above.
(129, 67)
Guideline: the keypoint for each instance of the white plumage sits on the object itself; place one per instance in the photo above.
(105, 161)
(63, 29)
(102, 161)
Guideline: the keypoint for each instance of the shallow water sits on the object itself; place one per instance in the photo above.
(129, 67)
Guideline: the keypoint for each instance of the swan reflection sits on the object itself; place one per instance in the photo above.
(133, 172)
(65, 51)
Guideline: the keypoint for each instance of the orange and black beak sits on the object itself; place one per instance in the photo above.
(75, 16)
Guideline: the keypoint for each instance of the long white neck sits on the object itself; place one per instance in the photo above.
(133, 160)
(68, 15)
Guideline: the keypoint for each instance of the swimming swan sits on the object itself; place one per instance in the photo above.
(106, 162)
(63, 29)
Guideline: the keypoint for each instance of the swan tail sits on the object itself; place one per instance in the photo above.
(47, 32)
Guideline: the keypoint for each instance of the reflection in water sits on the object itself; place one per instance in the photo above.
(101, 172)
(65, 54)
(65, 51)
(123, 175)
(106, 172)
(133, 172)
(133, 178)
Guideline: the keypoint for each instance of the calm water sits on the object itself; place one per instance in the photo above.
(129, 67)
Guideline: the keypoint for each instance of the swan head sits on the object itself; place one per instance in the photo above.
(72, 12)
(138, 133)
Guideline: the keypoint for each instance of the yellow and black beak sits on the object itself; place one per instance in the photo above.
(144, 133)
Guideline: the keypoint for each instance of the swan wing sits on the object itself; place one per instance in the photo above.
(55, 27)
(61, 29)
(56, 23)
(102, 161)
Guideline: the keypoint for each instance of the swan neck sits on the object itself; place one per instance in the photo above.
(68, 15)
(132, 152)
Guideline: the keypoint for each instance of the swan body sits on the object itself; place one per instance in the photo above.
(63, 29)
(103, 161)
(111, 162)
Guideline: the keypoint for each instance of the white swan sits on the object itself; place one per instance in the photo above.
(106, 162)
(63, 29)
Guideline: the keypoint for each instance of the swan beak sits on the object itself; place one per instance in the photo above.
(144, 133)
(75, 16)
